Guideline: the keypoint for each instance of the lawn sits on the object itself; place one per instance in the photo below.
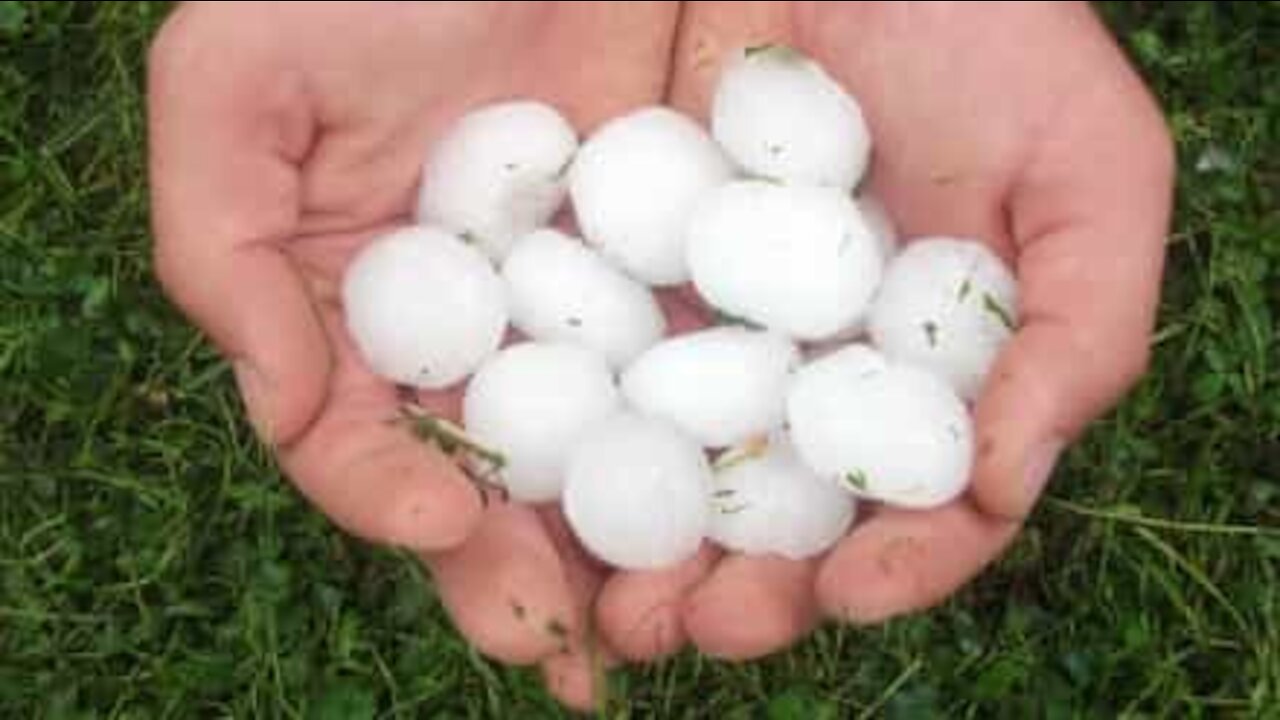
(154, 563)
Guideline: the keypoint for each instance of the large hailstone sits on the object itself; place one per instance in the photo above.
(498, 173)
(885, 431)
(881, 224)
(885, 233)
(721, 385)
(634, 183)
(781, 116)
(947, 305)
(636, 492)
(531, 403)
(765, 500)
(559, 289)
(423, 307)
(798, 260)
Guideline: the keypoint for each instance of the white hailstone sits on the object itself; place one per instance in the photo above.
(559, 289)
(883, 229)
(781, 116)
(720, 385)
(636, 492)
(885, 431)
(947, 305)
(765, 500)
(498, 173)
(531, 403)
(423, 307)
(634, 183)
(795, 259)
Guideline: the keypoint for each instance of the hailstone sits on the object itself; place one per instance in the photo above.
(634, 183)
(881, 224)
(531, 402)
(720, 385)
(885, 234)
(498, 173)
(782, 117)
(423, 307)
(636, 492)
(765, 500)
(798, 260)
(885, 431)
(559, 289)
(947, 305)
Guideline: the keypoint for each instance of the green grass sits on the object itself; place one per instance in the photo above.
(153, 563)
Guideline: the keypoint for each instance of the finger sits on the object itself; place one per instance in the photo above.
(578, 677)
(639, 612)
(752, 606)
(709, 33)
(365, 468)
(1090, 234)
(583, 572)
(900, 561)
(506, 589)
(223, 154)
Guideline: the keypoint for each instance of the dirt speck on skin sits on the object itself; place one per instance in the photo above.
(518, 609)
(705, 54)
(899, 556)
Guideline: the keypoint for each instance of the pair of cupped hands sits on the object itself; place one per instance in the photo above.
(283, 136)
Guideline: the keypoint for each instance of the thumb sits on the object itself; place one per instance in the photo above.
(1091, 236)
(225, 133)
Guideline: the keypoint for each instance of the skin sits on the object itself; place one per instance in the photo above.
(277, 150)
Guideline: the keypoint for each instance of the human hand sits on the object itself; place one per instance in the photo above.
(1022, 125)
(283, 137)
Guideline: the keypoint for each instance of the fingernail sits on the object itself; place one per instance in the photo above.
(1040, 465)
(255, 391)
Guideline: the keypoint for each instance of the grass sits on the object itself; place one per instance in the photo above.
(153, 563)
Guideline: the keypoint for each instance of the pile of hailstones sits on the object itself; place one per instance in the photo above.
(842, 373)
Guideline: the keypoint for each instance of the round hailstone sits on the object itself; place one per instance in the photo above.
(881, 225)
(947, 305)
(531, 402)
(885, 431)
(781, 116)
(498, 174)
(423, 307)
(636, 491)
(721, 385)
(795, 259)
(559, 289)
(634, 183)
(764, 500)
(882, 229)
